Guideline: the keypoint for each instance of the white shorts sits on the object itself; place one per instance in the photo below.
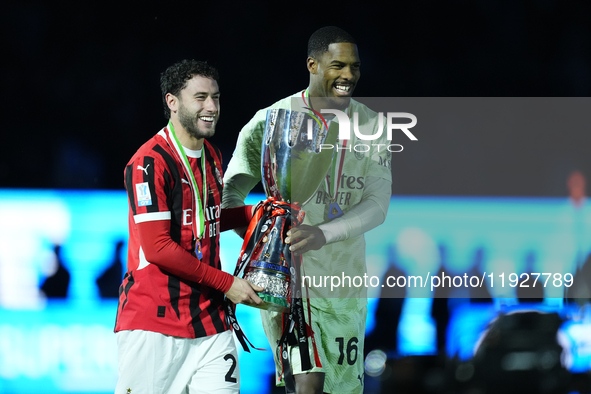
(153, 363)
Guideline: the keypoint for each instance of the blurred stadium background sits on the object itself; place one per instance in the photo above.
(63, 253)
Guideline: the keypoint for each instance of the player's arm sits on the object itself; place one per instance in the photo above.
(238, 216)
(232, 218)
(244, 168)
(146, 180)
(368, 214)
(161, 250)
(236, 188)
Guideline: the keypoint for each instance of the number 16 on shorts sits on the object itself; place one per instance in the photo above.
(348, 352)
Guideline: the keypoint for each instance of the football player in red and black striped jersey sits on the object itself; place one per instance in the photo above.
(171, 325)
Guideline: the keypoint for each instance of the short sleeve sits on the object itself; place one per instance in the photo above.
(148, 183)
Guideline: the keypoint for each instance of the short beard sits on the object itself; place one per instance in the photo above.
(189, 122)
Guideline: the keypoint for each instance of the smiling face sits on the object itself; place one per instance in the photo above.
(335, 73)
(198, 107)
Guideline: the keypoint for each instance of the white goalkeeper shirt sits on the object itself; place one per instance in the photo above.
(364, 192)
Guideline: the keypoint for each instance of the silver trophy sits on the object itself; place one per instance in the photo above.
(293, 164)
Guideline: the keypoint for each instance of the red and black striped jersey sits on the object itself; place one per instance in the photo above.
(175, 293)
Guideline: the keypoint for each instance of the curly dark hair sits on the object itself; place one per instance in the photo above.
(323, 37)
(175, 78)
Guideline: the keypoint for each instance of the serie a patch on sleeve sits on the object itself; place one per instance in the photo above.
(142, 190)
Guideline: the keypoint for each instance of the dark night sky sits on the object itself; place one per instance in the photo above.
(81, 82)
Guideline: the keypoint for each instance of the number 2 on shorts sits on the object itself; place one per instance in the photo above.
(229, 377)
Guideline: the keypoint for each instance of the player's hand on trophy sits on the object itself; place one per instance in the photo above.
(243, 292)
(304, 238)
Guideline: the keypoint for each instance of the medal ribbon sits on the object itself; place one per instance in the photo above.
(198, 225)
(311, 110)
